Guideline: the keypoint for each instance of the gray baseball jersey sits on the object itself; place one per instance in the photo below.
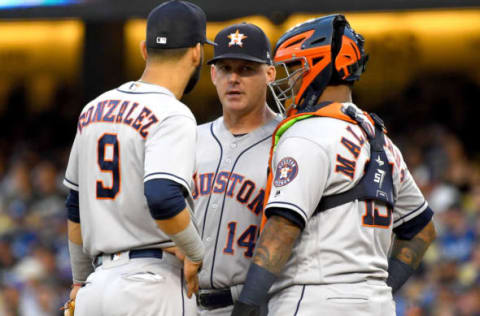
(230, 180)
(125, 137)
(322, 156)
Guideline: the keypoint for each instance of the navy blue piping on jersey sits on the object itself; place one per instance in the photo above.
(181, 290)
(214, 178)
(131, 92)
(286, 213)
(223, 205)
(185, 183)
(299, 301)
(411, 228)
(287, 203)
(399, 219)
(71, 182)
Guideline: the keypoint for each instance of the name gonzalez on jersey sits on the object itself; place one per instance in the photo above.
(109, 111)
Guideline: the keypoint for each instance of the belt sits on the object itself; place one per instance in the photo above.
(132, 254)
(215, 299)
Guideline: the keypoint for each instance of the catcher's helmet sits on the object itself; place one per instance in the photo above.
(330, 53)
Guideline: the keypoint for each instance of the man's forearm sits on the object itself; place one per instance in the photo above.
(74, 232)
(184, 234)
(81, 263)
(275, 245)
(272, 251)
(411, 251)
(407, 255)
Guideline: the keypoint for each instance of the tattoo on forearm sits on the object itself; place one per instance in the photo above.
(411, 251)
(275, 244)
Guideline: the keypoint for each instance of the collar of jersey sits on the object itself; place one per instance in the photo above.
(325, 109)
(144, 87)
(261, 131)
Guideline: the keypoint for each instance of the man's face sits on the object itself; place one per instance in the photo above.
(241, 85)
(289, 80)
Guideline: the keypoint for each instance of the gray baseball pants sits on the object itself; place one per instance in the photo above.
(359, 299)
(121, 286)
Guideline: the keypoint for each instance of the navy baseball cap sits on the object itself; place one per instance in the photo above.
(242, 41)
(176, 24)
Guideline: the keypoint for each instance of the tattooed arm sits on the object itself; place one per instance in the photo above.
(411, 251)
(407, 255)
(272, 251)
(275, 244)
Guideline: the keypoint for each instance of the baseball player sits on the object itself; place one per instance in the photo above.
(129, 173)
(337, 190)
(231, 164)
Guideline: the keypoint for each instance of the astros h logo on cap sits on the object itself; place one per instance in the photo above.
(244, 41)
(236, 38)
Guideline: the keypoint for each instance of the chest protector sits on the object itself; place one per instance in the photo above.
(377, 181)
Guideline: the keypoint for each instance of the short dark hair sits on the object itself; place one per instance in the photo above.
(166, 53)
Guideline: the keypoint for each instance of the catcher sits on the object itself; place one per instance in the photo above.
(338, 188)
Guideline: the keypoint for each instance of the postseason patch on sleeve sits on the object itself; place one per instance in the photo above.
(287, 170)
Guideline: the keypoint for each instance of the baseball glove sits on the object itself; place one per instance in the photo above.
(69, 308)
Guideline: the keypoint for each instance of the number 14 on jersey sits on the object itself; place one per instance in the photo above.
(246, 240)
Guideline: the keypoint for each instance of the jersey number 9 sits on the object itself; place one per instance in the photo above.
(108, 161)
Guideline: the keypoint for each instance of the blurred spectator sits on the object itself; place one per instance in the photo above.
(468, 303)
(458, 239)
(470, 271)
(18, 192)
(9, 300)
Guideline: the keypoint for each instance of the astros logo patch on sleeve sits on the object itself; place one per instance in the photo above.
(287, 170)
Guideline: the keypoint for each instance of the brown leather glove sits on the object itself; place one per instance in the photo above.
(69, 308)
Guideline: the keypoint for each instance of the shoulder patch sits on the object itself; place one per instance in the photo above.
(287, 170)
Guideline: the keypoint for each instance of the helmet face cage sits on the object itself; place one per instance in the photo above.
(331, 53)
(284, 88)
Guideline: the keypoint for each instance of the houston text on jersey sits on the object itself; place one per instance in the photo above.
(226, 182)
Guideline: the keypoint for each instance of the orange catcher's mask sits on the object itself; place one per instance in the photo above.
(312, 55)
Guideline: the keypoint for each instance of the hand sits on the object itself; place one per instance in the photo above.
(74, 291)
(69, 307)
(176, 252)
(190, 271)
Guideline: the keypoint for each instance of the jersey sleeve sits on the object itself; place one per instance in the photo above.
(170, 151)
(71, 175)
(300, 169)
(410, 201)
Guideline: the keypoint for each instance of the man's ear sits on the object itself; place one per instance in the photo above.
(271, 73)
(143, 50)
(213, 73)
(197, 54)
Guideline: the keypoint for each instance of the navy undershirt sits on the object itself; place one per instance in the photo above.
(165, 199)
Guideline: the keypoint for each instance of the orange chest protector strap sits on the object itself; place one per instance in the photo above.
(377, 182)
(333, 110)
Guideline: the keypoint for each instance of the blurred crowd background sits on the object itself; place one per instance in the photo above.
(432, 115)
(35, 274)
